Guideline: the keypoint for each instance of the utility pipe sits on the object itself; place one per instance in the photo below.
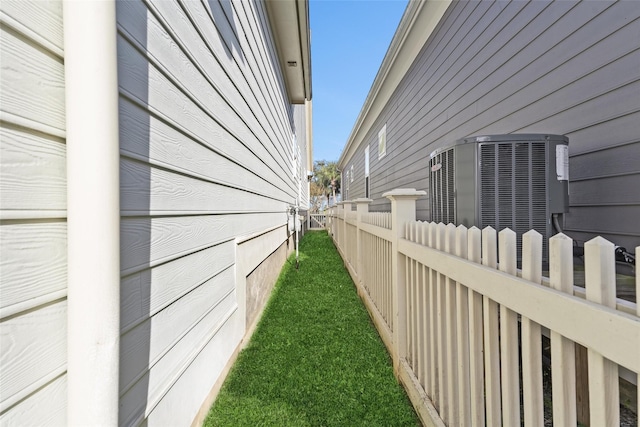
(93, 212)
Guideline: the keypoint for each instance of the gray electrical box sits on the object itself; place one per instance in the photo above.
(519, 181)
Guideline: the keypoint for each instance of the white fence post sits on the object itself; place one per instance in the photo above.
(403, 209)
(600, 284)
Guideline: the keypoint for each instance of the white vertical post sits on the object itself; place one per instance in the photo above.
(451, 333)
(462, 325)
(476, 334)
(509, 336)
(424, 284)
(93, 208)
(491, 335)
(441, 318)
(403, 210)
(434, 368)
(532, 336)
(563, 359)
(638, 313)
(600, 284)
(411, 298)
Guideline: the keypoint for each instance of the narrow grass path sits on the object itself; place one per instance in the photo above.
(315, 359)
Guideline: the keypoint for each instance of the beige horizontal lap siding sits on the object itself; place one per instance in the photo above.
(569, 68)
(205, 142)
(33, 260)
(300, 120)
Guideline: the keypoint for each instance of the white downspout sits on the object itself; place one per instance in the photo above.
(93, 209)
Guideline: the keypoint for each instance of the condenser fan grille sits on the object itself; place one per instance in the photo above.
(513, 186)
(442, 187)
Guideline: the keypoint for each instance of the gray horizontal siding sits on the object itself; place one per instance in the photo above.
(568, 68)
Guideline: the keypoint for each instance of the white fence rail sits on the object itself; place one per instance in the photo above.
(463, 326)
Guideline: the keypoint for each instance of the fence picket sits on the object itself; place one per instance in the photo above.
(407, 303)
(424, 283)
(451, 333)
(509, 362)
(563, 362)
(411, 307)
(491, 335)
(462, 335)
(388, 285)
(433, 323)
(442, 327)
(532, 336)
(476, 334)
(600, 284)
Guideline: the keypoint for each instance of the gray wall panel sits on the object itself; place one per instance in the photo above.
(569, 68)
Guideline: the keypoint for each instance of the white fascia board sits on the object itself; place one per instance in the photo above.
(416, 26)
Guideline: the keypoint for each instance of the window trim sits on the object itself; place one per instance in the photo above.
(382, 142)
(367, 179)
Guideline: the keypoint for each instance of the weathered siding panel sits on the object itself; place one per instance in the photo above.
(33, 264)
(206, 135)
(568, 68)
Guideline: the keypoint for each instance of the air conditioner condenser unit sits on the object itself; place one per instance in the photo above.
(519, 181)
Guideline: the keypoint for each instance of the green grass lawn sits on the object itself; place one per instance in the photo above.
(315, 359)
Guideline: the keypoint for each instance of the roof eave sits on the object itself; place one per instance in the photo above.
(419, 20)
(289, 21)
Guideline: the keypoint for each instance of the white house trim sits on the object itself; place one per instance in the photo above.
(93, 206)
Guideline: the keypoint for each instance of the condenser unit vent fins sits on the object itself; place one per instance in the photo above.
(442, 185)
(513, 181)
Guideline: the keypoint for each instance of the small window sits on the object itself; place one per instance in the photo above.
(382, 142)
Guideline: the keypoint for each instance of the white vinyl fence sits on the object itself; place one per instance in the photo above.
(462, 324)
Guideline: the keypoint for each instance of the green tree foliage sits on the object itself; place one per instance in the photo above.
(325, 184)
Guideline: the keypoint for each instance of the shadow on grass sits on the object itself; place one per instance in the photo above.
(315, 358)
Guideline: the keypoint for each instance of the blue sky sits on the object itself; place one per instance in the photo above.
(349, 39)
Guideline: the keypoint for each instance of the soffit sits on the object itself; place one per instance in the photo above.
(290, 26)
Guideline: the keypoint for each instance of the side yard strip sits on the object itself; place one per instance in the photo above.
(315, 359)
